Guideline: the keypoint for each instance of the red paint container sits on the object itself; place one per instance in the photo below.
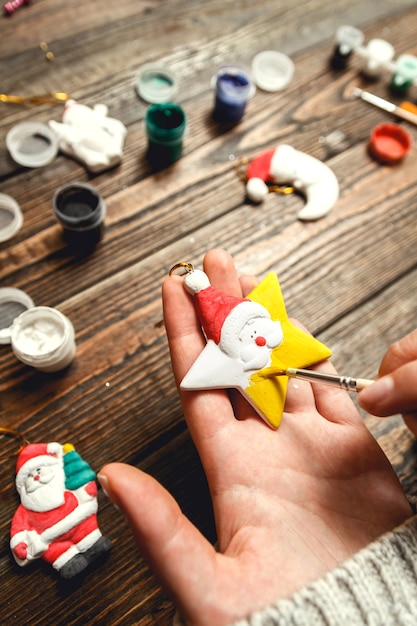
(389, 143)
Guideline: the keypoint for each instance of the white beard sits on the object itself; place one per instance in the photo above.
(47, 495)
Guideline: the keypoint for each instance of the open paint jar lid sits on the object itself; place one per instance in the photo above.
(389, 143)
(11, 218)
(32, 144)
(272, 70)
(156, 83)
(13, 302)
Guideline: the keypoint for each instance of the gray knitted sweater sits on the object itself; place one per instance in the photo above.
(375, 587)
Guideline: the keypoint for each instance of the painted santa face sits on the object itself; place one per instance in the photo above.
(43, 487)
(38, 477)
(258, 338)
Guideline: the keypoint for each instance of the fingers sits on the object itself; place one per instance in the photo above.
(248, 283)
(182, 326)
(181, 558)
(333, 403)
(394, 393)
(399, 353)
(206, 412)
(220, 268)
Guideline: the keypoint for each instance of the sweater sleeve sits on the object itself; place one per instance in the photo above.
(375, 587)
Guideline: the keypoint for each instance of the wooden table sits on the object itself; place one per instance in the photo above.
(350, 276)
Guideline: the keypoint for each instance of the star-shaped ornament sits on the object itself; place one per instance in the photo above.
(247, 340)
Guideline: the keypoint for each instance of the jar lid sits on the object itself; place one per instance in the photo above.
(13, 302)
(156, 83)
(32, 144)
(11, 218)
(389, 143)
(272, 70)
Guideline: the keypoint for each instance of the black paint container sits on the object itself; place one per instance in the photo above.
(80, 210)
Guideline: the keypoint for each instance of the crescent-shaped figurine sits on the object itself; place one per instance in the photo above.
(308, 175)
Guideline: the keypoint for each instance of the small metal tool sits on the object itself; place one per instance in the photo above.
(344, 382)
(401, 111)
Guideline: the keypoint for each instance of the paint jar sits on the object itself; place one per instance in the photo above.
(232, 88)
(11, 218)
(377, 57)
(272, 70)
(13, 302)
(165, 125)
(405, 72)
(43, 338)
(156, 83)
(347, 39)
(80, 210)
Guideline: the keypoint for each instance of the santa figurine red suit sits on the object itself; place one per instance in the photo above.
(57, 517)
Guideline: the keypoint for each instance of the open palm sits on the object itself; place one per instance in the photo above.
(289, 505)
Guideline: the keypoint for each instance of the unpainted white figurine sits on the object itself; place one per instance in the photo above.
(89, 135)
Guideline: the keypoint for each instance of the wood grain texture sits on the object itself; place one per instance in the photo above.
(350, 277)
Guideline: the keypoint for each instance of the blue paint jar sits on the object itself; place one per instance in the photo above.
(232, 85)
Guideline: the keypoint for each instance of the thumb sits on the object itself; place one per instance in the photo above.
(179, 555)
(393, 393)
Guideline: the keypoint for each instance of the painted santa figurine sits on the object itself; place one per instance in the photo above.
(240, 336)
(246, 337)
(287, 166)
(56, 520)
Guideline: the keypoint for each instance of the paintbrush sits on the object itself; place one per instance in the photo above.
(344, 382)
(404, 111)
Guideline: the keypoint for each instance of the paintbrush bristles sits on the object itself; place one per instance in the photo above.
(269, 372)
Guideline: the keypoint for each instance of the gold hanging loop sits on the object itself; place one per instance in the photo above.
(10, 432)
(282, 189)
(184, 266)
(242, 168)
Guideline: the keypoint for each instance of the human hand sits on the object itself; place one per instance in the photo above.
(395, 391)
(289, 504)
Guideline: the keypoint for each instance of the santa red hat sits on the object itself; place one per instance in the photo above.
(35, 454)
(222, 316)
(258, 175)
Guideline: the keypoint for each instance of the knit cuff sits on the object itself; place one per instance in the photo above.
(376, 587)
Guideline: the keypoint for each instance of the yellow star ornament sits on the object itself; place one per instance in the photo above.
(246, 337)
(298, 349)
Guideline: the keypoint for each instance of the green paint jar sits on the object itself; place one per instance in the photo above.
(165, 127)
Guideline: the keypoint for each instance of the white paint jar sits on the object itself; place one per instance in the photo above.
(43, 337)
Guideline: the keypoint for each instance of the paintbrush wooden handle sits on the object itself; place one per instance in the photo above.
(362, 383)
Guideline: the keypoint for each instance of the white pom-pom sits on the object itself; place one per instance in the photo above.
(256, 189)
(54, 447)
(196, 281)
